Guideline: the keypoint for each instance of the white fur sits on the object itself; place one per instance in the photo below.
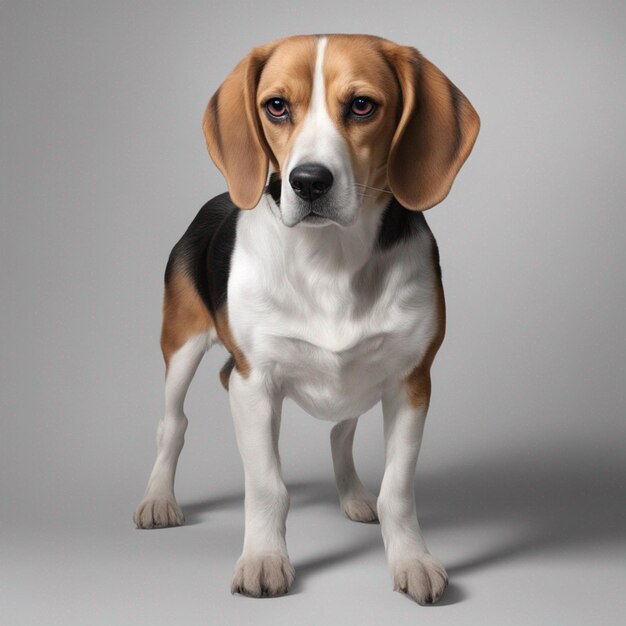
(323, 312)
(256, 407)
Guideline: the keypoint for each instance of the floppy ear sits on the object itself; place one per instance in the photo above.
(435, 134)
(233, 132)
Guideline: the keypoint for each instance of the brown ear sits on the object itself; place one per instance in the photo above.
(435, 134)
(233, 132)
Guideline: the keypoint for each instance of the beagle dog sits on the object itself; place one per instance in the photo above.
(321, 278)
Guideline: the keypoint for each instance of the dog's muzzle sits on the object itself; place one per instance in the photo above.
(311, 183)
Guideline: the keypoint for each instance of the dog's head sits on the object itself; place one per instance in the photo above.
(340, 117)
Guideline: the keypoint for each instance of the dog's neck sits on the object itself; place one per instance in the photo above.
(331, 248)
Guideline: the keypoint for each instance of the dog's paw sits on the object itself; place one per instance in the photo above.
(265, 575)
(158, 513)
(360, 507)
(421, 578)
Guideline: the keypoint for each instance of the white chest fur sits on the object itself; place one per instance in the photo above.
(322, 313)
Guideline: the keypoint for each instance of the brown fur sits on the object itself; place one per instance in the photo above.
(225, 372)
(225, 335)
(435, 134)
(417, 383)
(184, 314)
(232, 132)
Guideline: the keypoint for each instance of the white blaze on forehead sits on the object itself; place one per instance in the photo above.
(319, 140)
(319, 89)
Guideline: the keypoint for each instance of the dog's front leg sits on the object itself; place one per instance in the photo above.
(413, 569)
(263, 568)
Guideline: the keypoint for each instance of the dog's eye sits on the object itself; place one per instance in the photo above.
(362, 107)
(276, 108)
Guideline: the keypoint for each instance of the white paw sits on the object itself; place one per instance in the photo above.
(264, 575)
(360, 507)
(421, 578)
(158, 513)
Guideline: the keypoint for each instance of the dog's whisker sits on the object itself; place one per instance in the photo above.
(368, 189)
(363, 194)
(373, 188)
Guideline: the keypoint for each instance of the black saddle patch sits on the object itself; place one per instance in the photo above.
(399, 224)
(204, 252)
(274, 187)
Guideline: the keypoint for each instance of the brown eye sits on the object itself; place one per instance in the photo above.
(276, 108)
(362, 107)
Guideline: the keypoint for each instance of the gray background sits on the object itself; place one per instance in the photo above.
(521, 481)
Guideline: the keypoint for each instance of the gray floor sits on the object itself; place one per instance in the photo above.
(539, 543)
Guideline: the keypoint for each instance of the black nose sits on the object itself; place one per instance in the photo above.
(310, 181)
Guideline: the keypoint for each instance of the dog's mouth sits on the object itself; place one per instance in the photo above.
(318, 213)
(311, 215)
(318, 216)
(315, 219)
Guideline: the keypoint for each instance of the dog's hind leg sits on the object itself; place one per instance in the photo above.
(187, 334)
(356, 501)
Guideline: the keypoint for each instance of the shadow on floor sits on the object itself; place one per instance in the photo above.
(544, 503)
